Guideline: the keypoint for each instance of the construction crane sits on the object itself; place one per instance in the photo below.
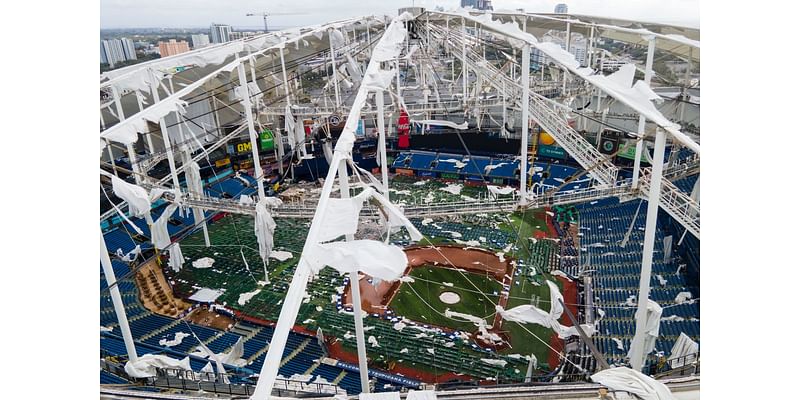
(266, 14)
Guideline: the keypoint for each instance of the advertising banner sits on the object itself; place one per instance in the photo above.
(629, 152)
(360, 129)
(449, 175)
(243, 147)
(551, 151)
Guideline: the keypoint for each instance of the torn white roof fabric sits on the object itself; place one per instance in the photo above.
(526, 314)
(435, 122)
(492, 361)
(396, 218)
(495, 190)
(529, 314)
(265, 226)
(205, 262)
(651, 328)
(205, 295)
(459, 164)
(235, 353)
(281, 255)
(131, 255)
(176, 259)
(341, 216)
(159, 233)
(136, 196)
(336, 37)
(125, 132)
(634, 382)
(288, 125)
(683, 297)
(208, 369)
(388, 48)
(636, 97)
(178, 339)
(145, 366)
(245, 297)
(471, 318)
(194, 181)
(372, 257)
(683, 351)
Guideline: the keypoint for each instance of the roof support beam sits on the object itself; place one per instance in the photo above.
(648, 75)
(524, 130)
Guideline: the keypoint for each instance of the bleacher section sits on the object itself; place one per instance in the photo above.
(497, 170)
(107, 378)
(686, 184)
(119, 235)
(406, 346)
(148, 329)
(602, 225)
(431, 164)
(616, 277)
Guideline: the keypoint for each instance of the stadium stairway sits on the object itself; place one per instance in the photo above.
(311, 369)
(339, 377)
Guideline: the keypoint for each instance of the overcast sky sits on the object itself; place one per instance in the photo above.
(201, 13)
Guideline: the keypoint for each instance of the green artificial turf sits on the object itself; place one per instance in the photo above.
(411, 298)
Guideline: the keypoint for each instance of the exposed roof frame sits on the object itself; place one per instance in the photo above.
(567, 61)
(117, 132)
(680, 44)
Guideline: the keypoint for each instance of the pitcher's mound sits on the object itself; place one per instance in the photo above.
(449, 298)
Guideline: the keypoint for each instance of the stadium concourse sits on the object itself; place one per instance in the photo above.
(235, 246)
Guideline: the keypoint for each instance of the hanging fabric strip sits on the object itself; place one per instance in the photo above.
(265, 226)
(159, 233)
(176, 259)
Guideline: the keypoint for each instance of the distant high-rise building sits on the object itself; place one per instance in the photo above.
(172, 47)
(220, 33)
(113, 51)
(477, 4)
(103, 57)
(578, 48)
(199, 41)
(128, 48)
(561, 8)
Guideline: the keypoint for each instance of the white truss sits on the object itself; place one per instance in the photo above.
(551, 118)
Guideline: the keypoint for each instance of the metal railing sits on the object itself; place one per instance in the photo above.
(581, 195)
(552, 119)
(680, 366)
(222, 383)
(683, 168)
(676, 203)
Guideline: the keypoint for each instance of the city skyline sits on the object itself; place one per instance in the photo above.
(193, 14)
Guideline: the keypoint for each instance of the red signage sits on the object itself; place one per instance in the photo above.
(403, 129)
(402, 141)
(402, 123)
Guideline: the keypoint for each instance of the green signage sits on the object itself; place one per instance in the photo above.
(551, 151)
(267, 140)
(449, 175)
(630, 152)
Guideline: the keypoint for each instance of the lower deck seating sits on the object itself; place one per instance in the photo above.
(107, 378)
(616, 270)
